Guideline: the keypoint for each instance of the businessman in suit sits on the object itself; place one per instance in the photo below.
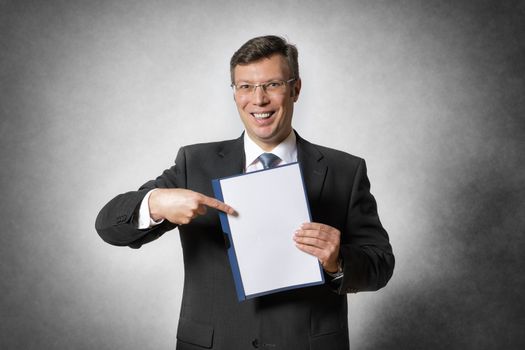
(345, 234)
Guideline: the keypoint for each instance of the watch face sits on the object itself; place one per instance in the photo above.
(335, 275)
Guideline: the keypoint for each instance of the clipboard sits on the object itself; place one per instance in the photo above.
(271, 205)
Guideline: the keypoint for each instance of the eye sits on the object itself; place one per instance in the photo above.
(243, 86)
(272, 86)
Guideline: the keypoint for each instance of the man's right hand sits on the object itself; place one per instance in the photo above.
(180, 206)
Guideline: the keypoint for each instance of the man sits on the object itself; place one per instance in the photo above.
(346, 235)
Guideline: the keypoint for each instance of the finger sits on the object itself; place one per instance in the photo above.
(314, 242)
(306, 248)
(316, 252)
(326, 232)
(320, 235)
(214, 203)
(312, 234)
(317, 226)
(322, 248)
(201, 210)
(321, 255)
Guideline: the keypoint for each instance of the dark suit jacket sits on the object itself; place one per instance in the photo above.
(307, 318)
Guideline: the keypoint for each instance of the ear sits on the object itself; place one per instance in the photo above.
(233, 95)
(296, 90)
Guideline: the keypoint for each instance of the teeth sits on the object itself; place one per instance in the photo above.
(261, 115)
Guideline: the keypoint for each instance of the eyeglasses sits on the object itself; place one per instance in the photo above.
(274, 87)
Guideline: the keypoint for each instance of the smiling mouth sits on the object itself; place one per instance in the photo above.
(260, 116)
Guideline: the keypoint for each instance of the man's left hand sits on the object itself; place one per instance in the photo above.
(321, 241)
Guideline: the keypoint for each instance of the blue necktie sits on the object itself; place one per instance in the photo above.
(269, 160)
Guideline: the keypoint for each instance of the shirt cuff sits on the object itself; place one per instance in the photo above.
(145, 221)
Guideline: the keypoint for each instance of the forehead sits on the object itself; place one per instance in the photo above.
(273, 67)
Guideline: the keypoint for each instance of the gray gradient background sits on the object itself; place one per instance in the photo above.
(97, 97)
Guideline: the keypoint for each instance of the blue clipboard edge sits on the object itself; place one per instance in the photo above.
(231, 250)
(239, 288)
(251, 296)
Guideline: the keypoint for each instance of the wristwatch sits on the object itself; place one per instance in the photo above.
(339, 272)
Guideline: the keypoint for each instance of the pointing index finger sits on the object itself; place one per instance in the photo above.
(217, 204)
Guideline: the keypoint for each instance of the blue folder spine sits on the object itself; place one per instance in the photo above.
(216, 184)
(239, 287)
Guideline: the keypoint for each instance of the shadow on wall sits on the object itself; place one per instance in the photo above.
(477, 302)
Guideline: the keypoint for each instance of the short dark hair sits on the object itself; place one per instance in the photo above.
(264, 47)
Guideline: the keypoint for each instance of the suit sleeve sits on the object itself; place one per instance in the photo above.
(368, 261)
(116, 222)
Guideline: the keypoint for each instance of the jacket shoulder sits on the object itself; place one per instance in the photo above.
(338, 155)
(211, 146)
(330, 155)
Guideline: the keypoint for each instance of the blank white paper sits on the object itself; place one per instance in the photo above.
(271, 206)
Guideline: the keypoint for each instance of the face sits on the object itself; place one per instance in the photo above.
(267, 118)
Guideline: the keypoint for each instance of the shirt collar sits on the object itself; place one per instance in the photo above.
(286, 150)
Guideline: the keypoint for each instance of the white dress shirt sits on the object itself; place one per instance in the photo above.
(286, 151)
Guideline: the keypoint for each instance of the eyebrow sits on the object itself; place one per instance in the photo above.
(261, 82)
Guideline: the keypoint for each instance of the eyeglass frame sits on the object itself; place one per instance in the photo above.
(262, 85)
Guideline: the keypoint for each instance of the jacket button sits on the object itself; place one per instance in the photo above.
(255, 343)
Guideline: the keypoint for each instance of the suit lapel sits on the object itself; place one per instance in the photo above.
(313, 167)
(231, 155)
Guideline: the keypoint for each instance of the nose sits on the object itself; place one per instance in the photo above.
(259, 96)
